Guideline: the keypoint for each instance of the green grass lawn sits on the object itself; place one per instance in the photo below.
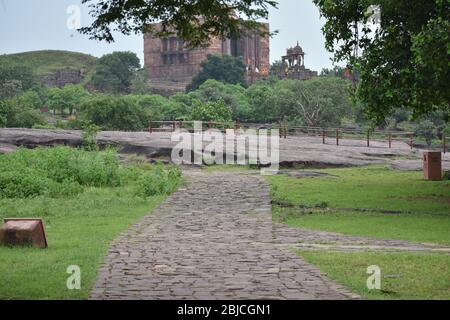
(403, 275)
(376, 188)
(79, 230)
(375, 202)
(412, 227)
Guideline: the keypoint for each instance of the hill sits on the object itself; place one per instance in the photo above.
(53, 67)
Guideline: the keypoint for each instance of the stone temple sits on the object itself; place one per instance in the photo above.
(171, 65)
(293, 65)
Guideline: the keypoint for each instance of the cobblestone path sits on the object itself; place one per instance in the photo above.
(214, 239)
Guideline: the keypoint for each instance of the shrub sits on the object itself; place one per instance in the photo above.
(216, 111)
(56, 171)
(114, 113)
(426, 130)
(158, 181)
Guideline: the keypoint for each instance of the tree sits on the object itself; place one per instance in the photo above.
(114, 72)
(113, 113)
(232, 94)
(195, 21)
(427, 131)
(223, 68)
(15, 114)
(402, 59)
(68, 98)
(216, 111)
(15, 79)
(322, 101)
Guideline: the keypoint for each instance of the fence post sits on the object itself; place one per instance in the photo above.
(444, 142)
(368, 138)
(174, 125)
(390, 140)
(411, 140)
(337, 136)
(210, 125)
(150, 128)
(285, 131)
(323, 136)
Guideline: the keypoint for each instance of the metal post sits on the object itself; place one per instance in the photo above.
(390, 140)
(368, 138)
(444, 142)
(323, 136)
(210, 125)
(337, 136)
(174, 126)
(150, 128)
(285, 131)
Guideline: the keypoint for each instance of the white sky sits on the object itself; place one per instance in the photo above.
(27, 25)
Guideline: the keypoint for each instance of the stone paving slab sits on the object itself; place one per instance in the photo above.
(212, 239)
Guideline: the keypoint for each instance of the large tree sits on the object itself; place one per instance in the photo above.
(115, 71)
(226, 69)
(402, 56)
(196, 21)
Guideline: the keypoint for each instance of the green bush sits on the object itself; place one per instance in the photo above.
(216, 111)
(158, 181)
(426, 130)
(56, 171)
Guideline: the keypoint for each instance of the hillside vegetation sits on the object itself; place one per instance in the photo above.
(49, 61)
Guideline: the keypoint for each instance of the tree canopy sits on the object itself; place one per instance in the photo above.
(402, 59)
(115, 72)
(226, 69)
(196, 21)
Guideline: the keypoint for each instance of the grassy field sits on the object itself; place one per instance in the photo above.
(86, 198)
(372, 201)
(403, 275)
(375, 202)
(79, 230)
(375, 188)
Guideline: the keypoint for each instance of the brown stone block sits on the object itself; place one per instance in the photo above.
(23, 232)
(432, 166)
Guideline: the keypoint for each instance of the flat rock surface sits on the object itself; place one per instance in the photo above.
(302, 150)
(210, 240)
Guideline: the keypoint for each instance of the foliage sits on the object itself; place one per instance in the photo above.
(402, 60)
(216, 111)
(426, 130)
(115, 71)
(14, 79)
(46, 62)
(113, 113)
(139, 82)
(195, 21)
(158, 181)
(89, 137)
(56, 172)
(232, 94)
(224, 68)
(70, 97)
(13, 114)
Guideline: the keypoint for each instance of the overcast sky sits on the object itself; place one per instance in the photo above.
(27, 25)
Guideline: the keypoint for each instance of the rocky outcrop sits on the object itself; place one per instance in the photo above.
(62, 77)
(295, 151)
